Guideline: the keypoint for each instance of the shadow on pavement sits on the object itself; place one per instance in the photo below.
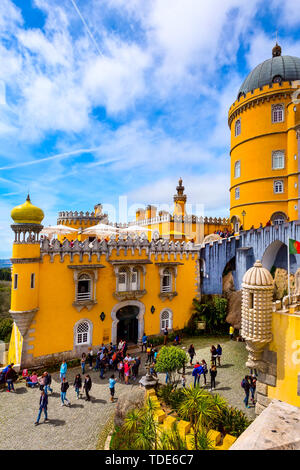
(21, 390)
(56, 422)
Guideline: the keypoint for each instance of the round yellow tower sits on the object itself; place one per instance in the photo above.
(25, 276)
(265, 167)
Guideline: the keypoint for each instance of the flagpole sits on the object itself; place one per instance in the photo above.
(288, 263)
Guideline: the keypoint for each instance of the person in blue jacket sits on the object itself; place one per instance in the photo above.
(197, 371)
(63, 370)
(43, 407)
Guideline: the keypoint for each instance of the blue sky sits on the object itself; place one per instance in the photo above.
(102, 99)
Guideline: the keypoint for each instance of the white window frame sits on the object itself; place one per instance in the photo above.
(123, 286)
(167, 273)
(237, 169)
(237, 127)
(134, 286)
(237, 193)
(277, 156)
(84, 334)
(278, 184)
(84, 296)
(32, 281)
(277, 113)
(166, 322)
(16, 280)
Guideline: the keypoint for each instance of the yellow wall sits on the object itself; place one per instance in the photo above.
(56, 317)
(286, 343)
(15, 346)
(253, 148)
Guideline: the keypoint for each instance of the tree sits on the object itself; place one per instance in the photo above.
(5, 329)
(170, 360)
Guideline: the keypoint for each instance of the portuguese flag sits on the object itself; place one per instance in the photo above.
(294, 247)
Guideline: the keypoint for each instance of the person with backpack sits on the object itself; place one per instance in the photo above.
(213, 374)
(47, 382)
(219, 354)
(63, 392)
(197, 371)
(245, 384)
(192, 353)
(77, 385)
(205, 370)
(43, 407)
(87, 387)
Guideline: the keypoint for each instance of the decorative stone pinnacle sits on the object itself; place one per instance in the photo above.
(276, 51)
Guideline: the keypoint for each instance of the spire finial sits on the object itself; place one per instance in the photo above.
(28, 197)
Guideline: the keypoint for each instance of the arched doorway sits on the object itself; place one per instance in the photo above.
(127, 328)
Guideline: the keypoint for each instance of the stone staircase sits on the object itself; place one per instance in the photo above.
(184, 427)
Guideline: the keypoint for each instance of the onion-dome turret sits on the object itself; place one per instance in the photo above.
(27, 213)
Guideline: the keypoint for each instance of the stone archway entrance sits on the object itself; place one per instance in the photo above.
(130, 315)
(127, 328)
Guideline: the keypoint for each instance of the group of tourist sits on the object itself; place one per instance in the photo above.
(116, 359)
(201, 368)
(224, 233)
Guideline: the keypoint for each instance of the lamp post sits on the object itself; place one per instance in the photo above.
(243, 215)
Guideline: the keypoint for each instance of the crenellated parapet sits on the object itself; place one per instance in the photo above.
(75, 217)
(129, 245)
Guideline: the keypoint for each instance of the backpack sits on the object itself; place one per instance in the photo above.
(243, 383)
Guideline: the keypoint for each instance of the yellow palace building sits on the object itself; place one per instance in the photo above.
(68, 297)
(264, 123)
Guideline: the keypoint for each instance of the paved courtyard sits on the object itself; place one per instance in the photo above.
(79, 426)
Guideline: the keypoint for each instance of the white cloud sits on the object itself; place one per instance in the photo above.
(211, 193)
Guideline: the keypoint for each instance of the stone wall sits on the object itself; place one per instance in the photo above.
(266, 379)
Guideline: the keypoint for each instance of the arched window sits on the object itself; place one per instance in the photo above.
(166, 281)
(237, 193)
(166, 319)
(84, 288)
(278, 218)
(123, 280)
(278, 160)
(237, 128)
(237, 169)
(278, 113)
(83, 333)
(278, 186)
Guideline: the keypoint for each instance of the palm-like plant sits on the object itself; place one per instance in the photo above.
(198, 408)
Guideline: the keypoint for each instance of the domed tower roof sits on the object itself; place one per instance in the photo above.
(27, 213)
(276, 70)
(258, 276)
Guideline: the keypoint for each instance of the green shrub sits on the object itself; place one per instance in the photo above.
(231, 421)
(6, 325)
(171, 360)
